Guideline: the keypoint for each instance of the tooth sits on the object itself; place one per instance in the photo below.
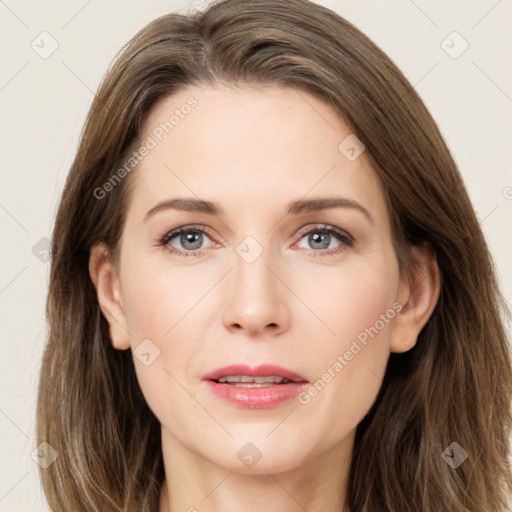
(252, 385)
(238, 379)
(270, 378)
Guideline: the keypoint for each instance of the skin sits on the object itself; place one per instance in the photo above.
(255, 150)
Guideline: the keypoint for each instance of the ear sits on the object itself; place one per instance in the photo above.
(108, 291)
(418, 295)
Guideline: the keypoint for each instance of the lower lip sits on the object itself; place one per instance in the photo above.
(257, 397)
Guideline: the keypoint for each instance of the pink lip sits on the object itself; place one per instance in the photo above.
(255, 398)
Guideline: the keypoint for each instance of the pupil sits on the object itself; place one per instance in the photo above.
(317, 238)
(191, 237)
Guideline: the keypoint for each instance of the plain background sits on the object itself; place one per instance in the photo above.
(44, 101)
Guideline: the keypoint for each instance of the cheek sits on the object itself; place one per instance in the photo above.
(351, 358)
(156, 299)
(349, 298)
(162, 322)
(156, 314)
(163, 314)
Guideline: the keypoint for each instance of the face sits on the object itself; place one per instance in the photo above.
(269, 279)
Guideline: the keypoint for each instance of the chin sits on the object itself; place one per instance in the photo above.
(260, 457)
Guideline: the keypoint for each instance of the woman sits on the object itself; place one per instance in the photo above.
(331, 340)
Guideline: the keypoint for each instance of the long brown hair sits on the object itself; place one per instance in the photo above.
(455, 385)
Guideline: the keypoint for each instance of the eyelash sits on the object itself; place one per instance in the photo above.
(346, 239)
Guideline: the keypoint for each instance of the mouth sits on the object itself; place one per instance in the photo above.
(261, 387)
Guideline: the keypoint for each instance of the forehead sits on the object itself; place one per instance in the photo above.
(252, 148)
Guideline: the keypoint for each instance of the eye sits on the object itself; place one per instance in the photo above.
(320, 239)
(190, 238)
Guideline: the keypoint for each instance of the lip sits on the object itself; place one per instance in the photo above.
(263, 397)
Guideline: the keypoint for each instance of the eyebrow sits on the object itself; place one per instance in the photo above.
(294, 208)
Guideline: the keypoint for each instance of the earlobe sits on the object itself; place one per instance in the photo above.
(418, 296)
(106, 282)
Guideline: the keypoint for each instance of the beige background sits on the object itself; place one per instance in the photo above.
(43, 102)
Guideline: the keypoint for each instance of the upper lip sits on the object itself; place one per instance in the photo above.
(263, 370)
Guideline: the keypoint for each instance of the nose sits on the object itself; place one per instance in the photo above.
(257, 301)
